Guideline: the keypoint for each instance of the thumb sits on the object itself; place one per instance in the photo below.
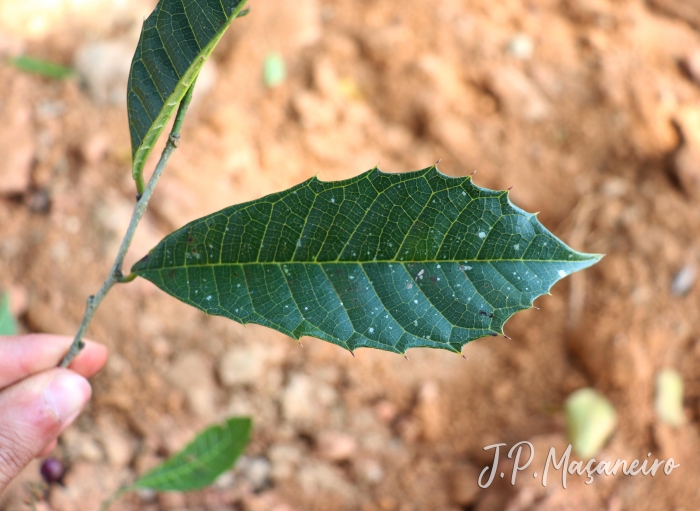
(33, 413)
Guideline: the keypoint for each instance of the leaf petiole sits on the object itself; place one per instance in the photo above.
(126, 278)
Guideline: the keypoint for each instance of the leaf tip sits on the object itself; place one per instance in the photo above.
(588, 260)
(595, 258)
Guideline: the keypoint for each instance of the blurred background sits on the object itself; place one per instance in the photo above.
(589, 108)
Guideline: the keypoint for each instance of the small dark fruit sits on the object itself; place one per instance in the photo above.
(52, 470)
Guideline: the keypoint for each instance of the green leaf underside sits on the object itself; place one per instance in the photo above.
(388, 261)
(198, 465)
(176, 40)
(8, 325)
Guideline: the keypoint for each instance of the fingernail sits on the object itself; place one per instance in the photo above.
(66, 395)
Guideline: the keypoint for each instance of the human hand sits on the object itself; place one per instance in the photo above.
(38, 401)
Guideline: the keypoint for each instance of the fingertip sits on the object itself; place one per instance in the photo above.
(91, 359)
(34, 412)
(48, 449)
(24, 356)
(66, 395)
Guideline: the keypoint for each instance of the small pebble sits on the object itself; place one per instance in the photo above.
(39, 202)
(590, 420)
(256, 470)
(274, 70)
(684, 280)
(521, 47)
(692, 65)
(669, 397)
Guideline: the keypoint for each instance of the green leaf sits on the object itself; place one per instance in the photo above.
(214, 451)
(176, 40)
(8, 325)
(41, 67)
(388, 261)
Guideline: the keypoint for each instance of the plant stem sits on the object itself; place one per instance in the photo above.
(116, 275)
(121, 491)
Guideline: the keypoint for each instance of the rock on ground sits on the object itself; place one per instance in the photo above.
(242, 365)
(518, 94)
(104, 68)
(17, 146)
(191, 372)
(336, 446)
(304, 400)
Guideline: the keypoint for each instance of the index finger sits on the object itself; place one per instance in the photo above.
(23, 356)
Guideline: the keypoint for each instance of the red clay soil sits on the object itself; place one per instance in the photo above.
(589, 108)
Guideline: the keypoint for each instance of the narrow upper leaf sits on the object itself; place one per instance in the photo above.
(388, 261)
(176, 40)
(198, 465)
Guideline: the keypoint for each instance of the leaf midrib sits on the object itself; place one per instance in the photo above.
(388, 261)
(489, 262)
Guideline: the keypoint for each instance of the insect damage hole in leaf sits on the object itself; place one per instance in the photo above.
(387, 261)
